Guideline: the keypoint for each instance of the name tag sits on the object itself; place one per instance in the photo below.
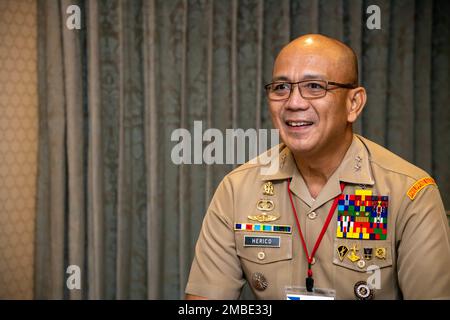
(303, 297)
(301, 294)
(262, 241)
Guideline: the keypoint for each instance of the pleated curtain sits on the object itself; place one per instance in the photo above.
(111, 201)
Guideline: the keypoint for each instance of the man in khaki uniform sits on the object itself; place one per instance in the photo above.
(342, 218)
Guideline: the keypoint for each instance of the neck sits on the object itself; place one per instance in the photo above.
(317, 168)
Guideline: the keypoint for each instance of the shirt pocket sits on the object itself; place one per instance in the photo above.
(261, 251)
(368, 254)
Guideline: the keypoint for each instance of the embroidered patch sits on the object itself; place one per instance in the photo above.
(419, 185)
(362, 217)
(262, 227)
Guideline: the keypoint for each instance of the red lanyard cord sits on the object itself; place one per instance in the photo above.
(324, 228)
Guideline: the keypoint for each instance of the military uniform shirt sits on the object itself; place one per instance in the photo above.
(413, 253)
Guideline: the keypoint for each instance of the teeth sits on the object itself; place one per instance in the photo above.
(299, 123)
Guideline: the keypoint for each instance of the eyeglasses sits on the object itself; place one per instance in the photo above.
(309, 89)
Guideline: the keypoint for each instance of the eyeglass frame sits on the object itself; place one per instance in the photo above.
(339, 85)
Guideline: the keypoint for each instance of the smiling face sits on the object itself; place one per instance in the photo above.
(313, 126)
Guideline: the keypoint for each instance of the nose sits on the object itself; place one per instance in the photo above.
(296, 101)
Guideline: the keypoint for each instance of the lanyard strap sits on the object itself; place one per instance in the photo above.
(324, 228)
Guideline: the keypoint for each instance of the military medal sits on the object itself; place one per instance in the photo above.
(362, 216)
(259, 281)
(309, 281)
(363, 291)
(256, 227)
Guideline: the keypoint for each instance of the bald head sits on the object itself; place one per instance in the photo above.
(341, 62)
(315, 121)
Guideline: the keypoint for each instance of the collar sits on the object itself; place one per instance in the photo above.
(354, 169)
(286, 165)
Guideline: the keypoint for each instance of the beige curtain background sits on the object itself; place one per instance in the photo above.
(111, 201)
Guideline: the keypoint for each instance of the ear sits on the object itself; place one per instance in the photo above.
(356, 100)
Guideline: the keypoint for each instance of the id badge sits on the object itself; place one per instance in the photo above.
(300, 293)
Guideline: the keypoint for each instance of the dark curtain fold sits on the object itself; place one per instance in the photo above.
(111, 201)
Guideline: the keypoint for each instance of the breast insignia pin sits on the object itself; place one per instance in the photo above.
(380, 253)
(265, 205)
(268, 189)
(342, 251)
(353, 256)
(368, 253)
(263, 217)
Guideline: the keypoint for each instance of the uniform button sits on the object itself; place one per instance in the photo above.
(312, 215)
(313, 260)
(261, 255)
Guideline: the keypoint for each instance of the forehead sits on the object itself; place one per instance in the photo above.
(306, 64)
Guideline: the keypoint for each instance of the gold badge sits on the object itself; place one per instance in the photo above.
(263, 217)
(342, 251)
(268, 189)
(380, 253)
(265, 205)
(353, 256)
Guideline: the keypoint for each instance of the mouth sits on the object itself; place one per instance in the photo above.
(299, 123)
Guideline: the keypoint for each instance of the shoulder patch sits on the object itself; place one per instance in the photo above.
(419, 185)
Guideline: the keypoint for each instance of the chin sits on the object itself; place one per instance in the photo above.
(299, 146)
